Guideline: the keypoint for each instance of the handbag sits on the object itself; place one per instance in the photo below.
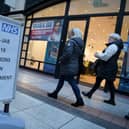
(95, 65)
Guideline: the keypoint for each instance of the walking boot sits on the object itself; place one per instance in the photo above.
(127, 116)
(52, 95)
(112, 102)
(78, 103)
(87, 94)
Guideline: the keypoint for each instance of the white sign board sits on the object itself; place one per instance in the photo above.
(11, 3)
(10, 43)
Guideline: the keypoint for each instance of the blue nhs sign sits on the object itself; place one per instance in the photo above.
(9, 28)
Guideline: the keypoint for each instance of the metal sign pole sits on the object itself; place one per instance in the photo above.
(6, 108)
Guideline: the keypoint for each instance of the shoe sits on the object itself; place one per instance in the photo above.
(87, 94)
(110, 102)
(52, 95)
(127, 117)
(78, 103)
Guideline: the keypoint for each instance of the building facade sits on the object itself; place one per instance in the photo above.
(47, 24)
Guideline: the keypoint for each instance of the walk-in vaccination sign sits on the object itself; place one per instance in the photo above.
(10, 44)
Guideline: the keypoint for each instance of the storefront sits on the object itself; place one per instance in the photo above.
(47, 26)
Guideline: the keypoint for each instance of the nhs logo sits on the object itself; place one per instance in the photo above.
(9, 28)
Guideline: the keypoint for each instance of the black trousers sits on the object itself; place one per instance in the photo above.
(110, 86)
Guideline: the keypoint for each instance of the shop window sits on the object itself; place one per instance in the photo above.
(22, 62)
(27, 31)
(28, 24)
(26, 38)
(98, 33)
(32, 64)
(77, 24)
(29, 17)
(127, 5)
(45, 36)
(41, 66)
(37, 50)
(23, 54)
(93, 6)
(24, 46)
(99, 30)
(55, 10)
(125, 28)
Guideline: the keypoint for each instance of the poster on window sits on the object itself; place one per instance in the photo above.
(51, 56)
(49, 30)
(124, 82)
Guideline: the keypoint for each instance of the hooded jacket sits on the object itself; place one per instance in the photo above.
(69, 61)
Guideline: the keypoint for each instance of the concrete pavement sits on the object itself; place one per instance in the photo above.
(95, 111)
(40, 115)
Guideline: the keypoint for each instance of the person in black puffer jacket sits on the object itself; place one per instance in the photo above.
(107, 66)
(69, 65)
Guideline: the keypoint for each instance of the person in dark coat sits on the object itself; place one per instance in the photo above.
(69, 65)
(107, 66)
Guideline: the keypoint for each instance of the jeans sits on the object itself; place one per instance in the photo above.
(73, 84)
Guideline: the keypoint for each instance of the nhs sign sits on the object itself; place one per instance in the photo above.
(9, 28)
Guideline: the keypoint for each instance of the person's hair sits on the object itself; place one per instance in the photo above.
(115, 36)
(77, 33)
